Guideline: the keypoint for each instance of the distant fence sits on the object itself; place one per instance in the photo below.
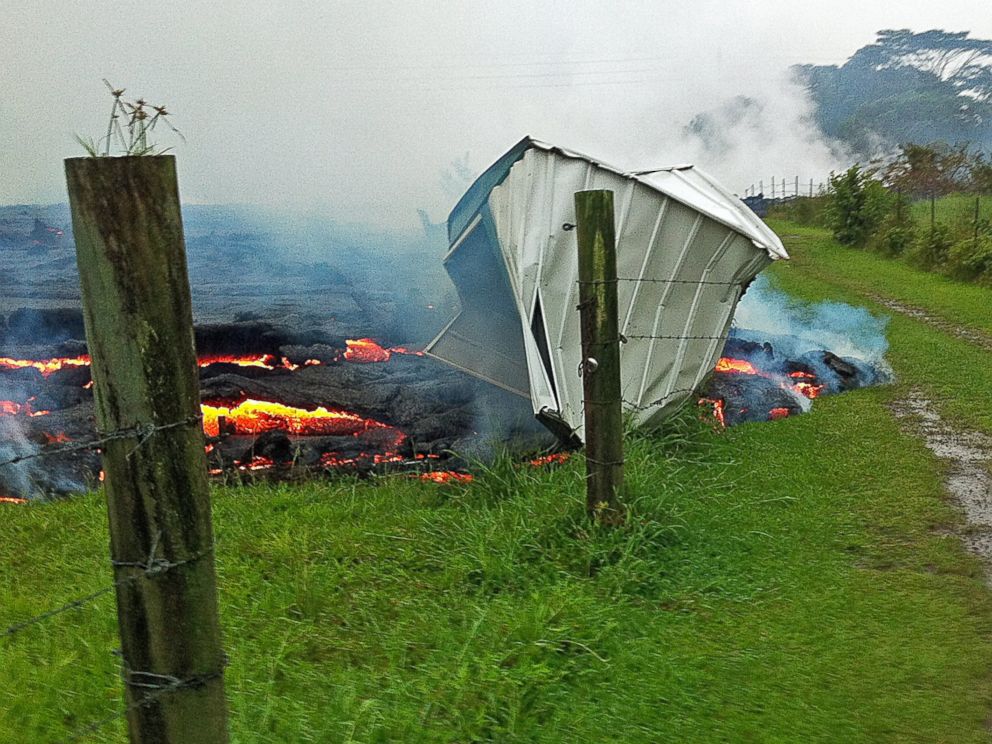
(959, 211)
(786, 188)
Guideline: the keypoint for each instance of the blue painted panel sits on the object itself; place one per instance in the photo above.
(478, 193)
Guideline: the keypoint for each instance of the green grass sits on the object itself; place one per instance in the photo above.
(780, 582)
(953, 371)
(818, 258)
(956, 210)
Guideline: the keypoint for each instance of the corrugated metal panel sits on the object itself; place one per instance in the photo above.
(690, 246)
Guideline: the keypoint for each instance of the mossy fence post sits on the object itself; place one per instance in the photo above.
(600, 331)
(139, 329)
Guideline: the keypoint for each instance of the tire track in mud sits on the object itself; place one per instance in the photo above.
(979, 338)
(968, 480)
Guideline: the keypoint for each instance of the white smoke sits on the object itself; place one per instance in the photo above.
(350, 110)
(845, 330)
(16, 479)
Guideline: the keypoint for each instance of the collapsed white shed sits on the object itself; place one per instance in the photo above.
(686, 250)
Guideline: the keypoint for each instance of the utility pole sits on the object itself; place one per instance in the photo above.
(598, 310)
(139, 330)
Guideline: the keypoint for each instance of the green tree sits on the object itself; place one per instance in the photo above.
(858, 204)
(929, 170)
(905, 87)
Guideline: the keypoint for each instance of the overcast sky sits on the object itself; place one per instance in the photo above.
(355, 109)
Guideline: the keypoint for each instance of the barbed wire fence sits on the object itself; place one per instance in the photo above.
(150, 685)
(623, 338)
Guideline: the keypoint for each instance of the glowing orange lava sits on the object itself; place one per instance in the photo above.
(365, 351)
(446, 476)
(45, 366)
(12, 500)
(717, 409)
(808, 389)
(805, 385)
(554, 457)
(258, 462)
(10, 408)
(778, 413)
(263, 361)
(726, 364)
(368, 351)
(257, 416)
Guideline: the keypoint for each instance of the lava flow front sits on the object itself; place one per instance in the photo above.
(263, 361)
(45, 366)
(259, 416)
(368, 351)
(12, 408)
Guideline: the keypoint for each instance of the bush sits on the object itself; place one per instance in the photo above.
(931, 248)
(893, 239)
(970, 259)
(858, 204)
(804, 210)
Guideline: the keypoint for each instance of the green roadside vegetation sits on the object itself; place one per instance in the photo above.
(953, 371)
(779, 582)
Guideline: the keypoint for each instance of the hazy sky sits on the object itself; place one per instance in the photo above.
(354, 109)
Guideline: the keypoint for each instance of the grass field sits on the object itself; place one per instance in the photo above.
(780, 582)
(956, 210)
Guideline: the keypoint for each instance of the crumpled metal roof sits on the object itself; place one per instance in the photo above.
(686, 249)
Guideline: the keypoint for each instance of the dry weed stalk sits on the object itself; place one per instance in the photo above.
(129, 127)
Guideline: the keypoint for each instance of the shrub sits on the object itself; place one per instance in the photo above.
(931, 247)
(804, 210)
(971, 259)
(858, 204)
(893, 239)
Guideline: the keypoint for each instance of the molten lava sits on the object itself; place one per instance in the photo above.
(368, 351)
(12, 500)
(726, 364)
(10, 408)
(446, 476)
(778, 413)
(554, 457)
(717, 409)
(45, 366)
(365, 351)
(258, 416)
(263, 361)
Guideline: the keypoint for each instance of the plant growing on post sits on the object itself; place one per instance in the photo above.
(132, 136)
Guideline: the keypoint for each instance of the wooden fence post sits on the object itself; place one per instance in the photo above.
(598, 310)
(978, 214)
(139, 330)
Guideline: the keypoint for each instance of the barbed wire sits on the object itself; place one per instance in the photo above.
(143, 431)
(652, 280)
(74, 604)
(150, 568)
(671, 337)
(159, 686)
